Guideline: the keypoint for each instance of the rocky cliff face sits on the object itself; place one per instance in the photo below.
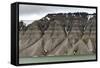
(58, 34)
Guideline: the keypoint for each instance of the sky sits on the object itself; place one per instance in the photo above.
(30, 13)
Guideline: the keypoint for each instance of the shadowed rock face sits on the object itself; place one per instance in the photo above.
(58, 34)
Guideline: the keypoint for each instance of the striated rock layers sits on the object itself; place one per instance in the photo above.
(58, 34)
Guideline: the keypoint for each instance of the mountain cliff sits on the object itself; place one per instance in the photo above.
(58, 34)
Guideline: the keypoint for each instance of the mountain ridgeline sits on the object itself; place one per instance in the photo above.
(58, 34)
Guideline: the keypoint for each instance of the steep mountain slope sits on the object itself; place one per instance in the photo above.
(58, 34)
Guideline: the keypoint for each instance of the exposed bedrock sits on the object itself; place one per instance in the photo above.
(58, 34)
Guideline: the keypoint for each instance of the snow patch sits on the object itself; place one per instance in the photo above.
(90, 16)
(47, 18)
